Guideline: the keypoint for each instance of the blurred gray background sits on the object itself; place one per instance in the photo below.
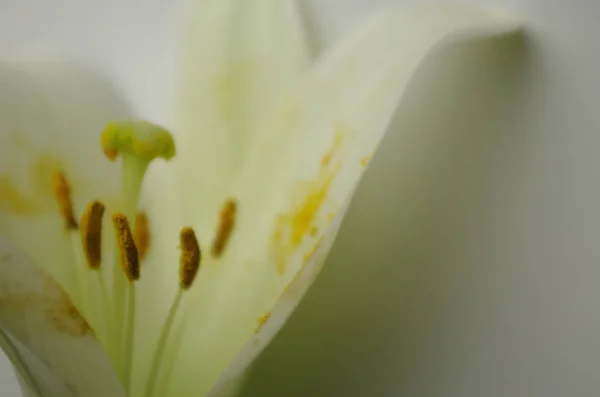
(485, 282)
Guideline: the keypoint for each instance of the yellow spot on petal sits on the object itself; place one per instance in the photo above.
(229, 87)
(292, 228)
(262, 321)
(337, 142)
(13, 200)
(41, 173)
(365, 161)
(309, 255)
(38, 197)
(303, 218)
(66, 318)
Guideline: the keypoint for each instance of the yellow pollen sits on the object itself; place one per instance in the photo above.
(62, 194)
(262, 320)
(128, 251)
(227, 222)
(189, 261)
(91, 233)
(365, 161)
(141, 234)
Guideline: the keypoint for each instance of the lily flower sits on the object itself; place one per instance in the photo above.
(198, 264)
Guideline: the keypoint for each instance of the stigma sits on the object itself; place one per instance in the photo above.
(145, 140)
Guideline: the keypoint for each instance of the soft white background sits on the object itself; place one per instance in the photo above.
(486, 281)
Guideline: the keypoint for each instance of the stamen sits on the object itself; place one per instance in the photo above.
(227, 222)
(91, 233)
(141, 234)
(127, 249)
(62, 194)
(189, 261)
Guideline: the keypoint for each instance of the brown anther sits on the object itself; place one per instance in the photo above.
(226, 224)
(62, 194)
(128, 251)
(141, 234)
(91, 233)
(189, 261)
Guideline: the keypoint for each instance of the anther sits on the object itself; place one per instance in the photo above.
(91, 233)
(226, 224)
(127, 249)
(189, 261)
(62, 194)
(141, 234)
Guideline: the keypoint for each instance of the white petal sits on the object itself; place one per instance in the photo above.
(239, 58)
(51, 116)
(361, 303)
(319, 147)
(48, 338)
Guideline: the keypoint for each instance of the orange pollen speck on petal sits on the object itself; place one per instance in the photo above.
(365, 161)
(262, 320)
(302, 220)
(128, 252)
(62, 195)
(225, 228)
(337, 142)
(91, 234)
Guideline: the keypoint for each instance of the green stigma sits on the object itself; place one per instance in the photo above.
(141, 138)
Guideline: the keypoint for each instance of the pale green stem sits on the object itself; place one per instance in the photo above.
(81, 299)
(129, 337)
(76, 271)
(171, 356)
(105, 303)
(15, 358)
(161, 345)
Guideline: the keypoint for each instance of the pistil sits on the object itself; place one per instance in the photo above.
(138, 143)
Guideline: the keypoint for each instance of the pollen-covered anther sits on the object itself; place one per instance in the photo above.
(62, 194)
(226, 225)
(128, 251)
(189, 261)
(91, 233)
(141, 234)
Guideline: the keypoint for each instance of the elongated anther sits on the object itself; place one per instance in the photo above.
(91, 233)
(62, 194)
(189, 261)
(225, 228)
(128, 251)
(141, 234)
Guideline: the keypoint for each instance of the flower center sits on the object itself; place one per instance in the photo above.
(137, 143)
